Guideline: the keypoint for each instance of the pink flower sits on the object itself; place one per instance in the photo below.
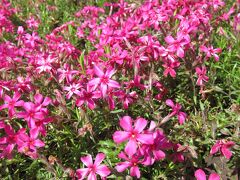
(28, 144)
(153, 152)
(223, 146)
(32, 23)
(201, 75)
(10, 103)
(93, 168)
(178, 154)
(7, 143)
(72, 89)
(66, 73)
(134, 134)
(127, 99)
(176, 111)
(200, 175)
(178, 44)
(87, 96)
(135, 83)
(211, 52)
(150, 47)
(169, 68)
(44, 63)
(103, 80)
(41, 101)
(32, 113)
(132, 162)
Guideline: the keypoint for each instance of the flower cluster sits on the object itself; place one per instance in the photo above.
(127, 59)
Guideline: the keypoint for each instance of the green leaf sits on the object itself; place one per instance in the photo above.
(81, 60)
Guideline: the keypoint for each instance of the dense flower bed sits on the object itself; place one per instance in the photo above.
(126, 63)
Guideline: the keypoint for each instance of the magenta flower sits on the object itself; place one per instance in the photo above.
(150, 46)
(32, 23)
(178, 156)
(134, 134)
(93, 168)
(127, 99)
(178, 44)
(44, 63)
(200, 175)
(32, 112)
(135, 83)
(10, 103)
(201, 73)
(8, 143)
(211, 52)
(28, 144)
(153, 152)
(223, 146)
(66, 73)
(132, 162)
(176, 111)
(169, 68)
(88, 96)
(103, 80)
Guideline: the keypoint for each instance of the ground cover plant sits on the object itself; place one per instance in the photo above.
(119, 89)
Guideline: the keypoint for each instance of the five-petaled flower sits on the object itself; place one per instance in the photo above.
(103, 80)
(93, 168)
(10, 103)
(134, 134)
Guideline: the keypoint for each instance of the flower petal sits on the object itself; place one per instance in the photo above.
(120, 136)
(226, 152)
(131, 147)
(215, 148)
(214, 176)
(82, 173)
(113, 84)
(126, 123)
(200, 174)
(92, 176)
(145, 138)
(134, 171)
(122, 166)
(140, 124)
(38, 143)
(87, 160)
(103, 171)
(99, 158)
(170, 103)
(98, 71)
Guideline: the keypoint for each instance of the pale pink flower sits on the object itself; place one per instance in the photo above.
(72, 89)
